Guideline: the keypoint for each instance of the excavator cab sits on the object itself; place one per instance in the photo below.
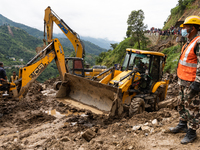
(149, 67)
(74, 65)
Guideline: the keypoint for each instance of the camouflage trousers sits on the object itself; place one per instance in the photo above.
(189, 106)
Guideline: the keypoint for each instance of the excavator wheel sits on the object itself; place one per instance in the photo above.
(137, 106)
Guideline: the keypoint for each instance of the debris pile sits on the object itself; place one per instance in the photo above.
(39, 121)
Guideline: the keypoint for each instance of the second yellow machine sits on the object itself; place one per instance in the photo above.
(137, 85)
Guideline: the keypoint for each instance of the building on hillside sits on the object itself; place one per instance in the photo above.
(21, 59)
(12, 58)
(18, 66)
(7, 67)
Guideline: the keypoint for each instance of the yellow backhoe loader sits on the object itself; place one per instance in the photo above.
(29, 73)
(50, 18)
(137, 85)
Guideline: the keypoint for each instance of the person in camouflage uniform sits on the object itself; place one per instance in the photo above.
(188, 72)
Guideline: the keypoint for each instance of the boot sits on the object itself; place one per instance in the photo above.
(181, 127)
(189, 137)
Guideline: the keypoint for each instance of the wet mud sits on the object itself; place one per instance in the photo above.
(39, 121)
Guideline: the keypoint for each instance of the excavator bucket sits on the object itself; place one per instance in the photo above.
(97, 95)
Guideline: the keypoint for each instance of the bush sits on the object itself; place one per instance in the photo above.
(173, 54)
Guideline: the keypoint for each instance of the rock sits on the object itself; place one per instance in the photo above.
(65, 139)
(84, 115)
(146, 123)
(61, 104)
(155, 122)
(73, 123)
(123, 120)
(137, 127)
(145, 128)
(152, 130)
(15, 139)
(130, 147)
(88, 134)
(128, 130)
(146, 134)
(81, 148)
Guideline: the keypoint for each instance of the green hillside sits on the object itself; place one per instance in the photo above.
(179, 10)
(32, 31)
(15, 42)
(89, 47)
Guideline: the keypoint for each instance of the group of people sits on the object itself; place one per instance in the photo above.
(3, 76)
(171, 31)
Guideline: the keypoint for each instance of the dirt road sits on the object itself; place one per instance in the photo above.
(39, 121)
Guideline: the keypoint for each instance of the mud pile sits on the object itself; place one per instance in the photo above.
(39, 121)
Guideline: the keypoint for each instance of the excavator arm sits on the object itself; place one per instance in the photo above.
(49, 18)
(29, 73)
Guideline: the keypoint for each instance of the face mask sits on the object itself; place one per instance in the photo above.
(184, 32)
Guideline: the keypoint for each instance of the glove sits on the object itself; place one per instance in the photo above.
(195, 86)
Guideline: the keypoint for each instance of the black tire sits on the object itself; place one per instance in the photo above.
(137, 106)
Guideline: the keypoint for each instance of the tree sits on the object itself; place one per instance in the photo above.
(101, 57)
(114, 45)
(136, 26)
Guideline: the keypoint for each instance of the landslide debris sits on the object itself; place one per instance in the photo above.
(39, 121)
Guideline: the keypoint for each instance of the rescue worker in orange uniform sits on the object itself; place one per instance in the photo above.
(188, 72)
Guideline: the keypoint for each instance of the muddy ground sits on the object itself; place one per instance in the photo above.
(39, 121)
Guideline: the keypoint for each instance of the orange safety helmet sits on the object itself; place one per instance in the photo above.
(191, 20)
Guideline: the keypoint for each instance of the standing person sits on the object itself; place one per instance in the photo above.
(188, 72)
(13, 77)
(3, 76)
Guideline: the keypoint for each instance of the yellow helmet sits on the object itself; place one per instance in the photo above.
(191, 20)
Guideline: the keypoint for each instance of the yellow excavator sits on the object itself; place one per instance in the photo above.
(77, 67)
(133, 88)
(29, 73)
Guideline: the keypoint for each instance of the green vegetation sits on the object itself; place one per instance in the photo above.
(177, 12)
(17, 43)
(173, 54)
(136, 27)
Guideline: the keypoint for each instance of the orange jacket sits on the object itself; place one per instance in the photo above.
(187, 65)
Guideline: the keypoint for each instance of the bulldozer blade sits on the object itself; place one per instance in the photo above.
(103, 97)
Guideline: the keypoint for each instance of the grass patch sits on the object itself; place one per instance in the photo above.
(173, 54)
